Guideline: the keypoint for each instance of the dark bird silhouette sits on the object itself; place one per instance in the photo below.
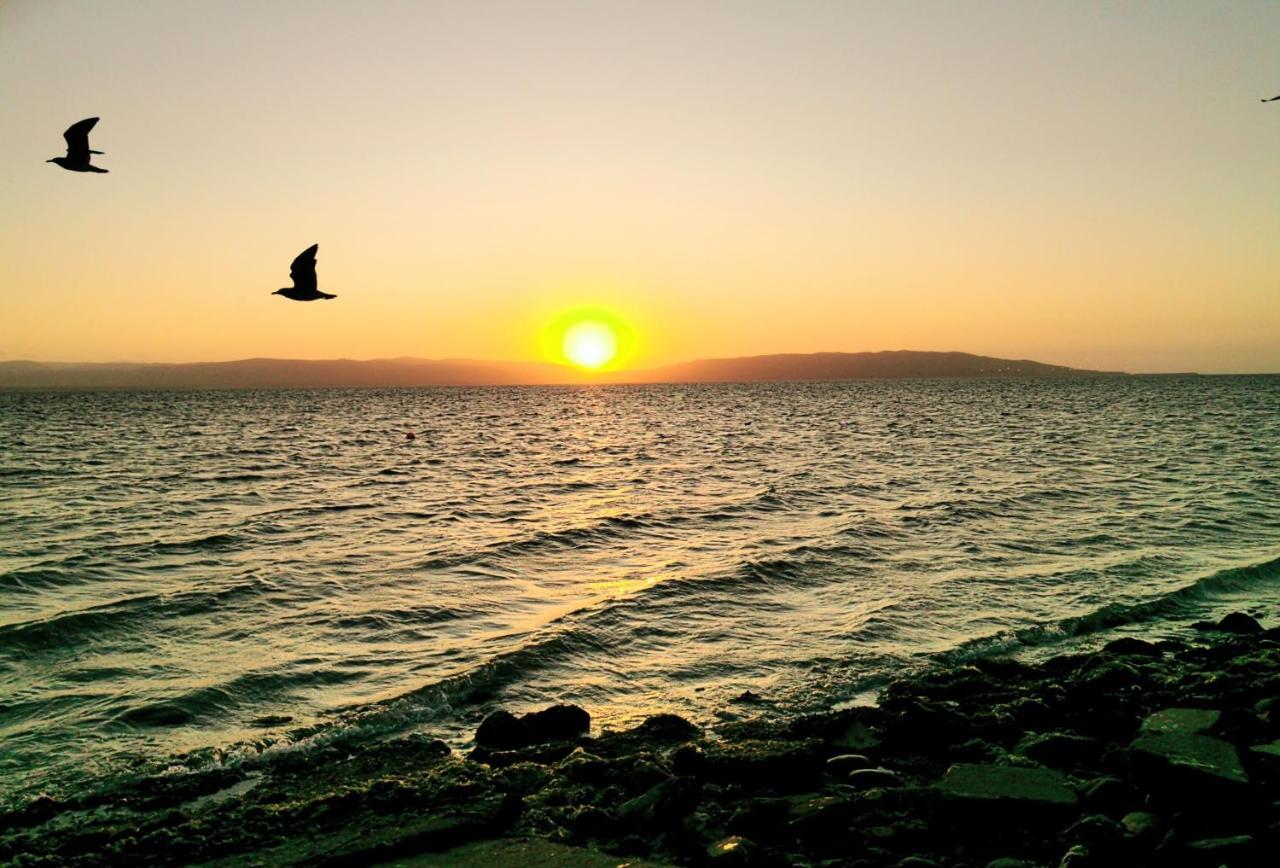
(77, 158)
(303, 272)
(1273, 99)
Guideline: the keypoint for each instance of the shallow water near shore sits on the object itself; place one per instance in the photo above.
(249, 570)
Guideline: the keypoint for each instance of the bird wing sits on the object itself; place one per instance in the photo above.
(77, 136)
(1273, 99)
(303, 270)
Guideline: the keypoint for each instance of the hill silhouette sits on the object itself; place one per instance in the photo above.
(337, 373)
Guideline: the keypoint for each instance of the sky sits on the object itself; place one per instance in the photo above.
(1085, 183)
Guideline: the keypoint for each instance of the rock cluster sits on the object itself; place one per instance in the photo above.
(1141, 753)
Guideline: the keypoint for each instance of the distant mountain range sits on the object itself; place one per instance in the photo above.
(302, 373)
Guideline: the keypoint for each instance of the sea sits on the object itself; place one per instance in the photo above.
(190, 579)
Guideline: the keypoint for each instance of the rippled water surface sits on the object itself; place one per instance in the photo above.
(255, 571)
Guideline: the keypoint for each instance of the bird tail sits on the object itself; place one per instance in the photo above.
(97, 152)
(326, 296)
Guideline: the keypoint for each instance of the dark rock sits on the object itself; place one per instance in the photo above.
(1061, 750)
(976, 750)
(522, 777)
(1237, 622)
(1234, 850)
(557, 723)
(502, 730)
(689, 760)
(1131, 647)
(1187, 768)
(734, 850)
(589, 821)
(1078, 857)
(1181, 720)
(841, 765)
(855, 737)
(666, 727)
(917, 862)
(1102, 836)
(767, 764)
(1143, 826)
(864, 779)
(1007, 784)
(584, 768)
(1010, 862)
(763, 818)
(660, 806)
(1104, 675)
(748, 697)
(1111, 796)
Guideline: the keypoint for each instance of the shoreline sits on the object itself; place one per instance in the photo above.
(1159, 753)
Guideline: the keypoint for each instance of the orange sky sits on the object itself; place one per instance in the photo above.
(1093, 184)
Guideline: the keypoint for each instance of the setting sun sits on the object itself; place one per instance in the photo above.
(590, 344)
(592, 338)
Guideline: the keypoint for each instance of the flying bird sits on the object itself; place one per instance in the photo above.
(303, 272)
(77, 158)
(1273, 99)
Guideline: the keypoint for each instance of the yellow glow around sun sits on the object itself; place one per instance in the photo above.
(589, 343)
(593, 339)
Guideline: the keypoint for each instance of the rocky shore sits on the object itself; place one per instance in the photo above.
(1141, 753)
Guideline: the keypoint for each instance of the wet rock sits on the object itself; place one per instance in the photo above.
(840, 766)
(1234, 850)
(1078, 857)
(1061, 750)
(1237, 622)
(1268, 753)
(1010, 862)
(865, 779)
(557, 723)
(1111, 796)
(1104, 674)
(1186, 768)
(689, 760)
(856, 736)
(1129, 646)
(1143, 825)
(660, 806)
(502, 730)
(584, 768)
(767, 764)
(666, 727)
(1101, 836)
(1008, 784)
(589, 821)
(1181, 720)
(917, 862)
(748, 697)
(763, 818)
(822, 819)
(269, 720)
(734, 850)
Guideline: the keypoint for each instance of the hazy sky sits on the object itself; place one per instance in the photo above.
(1084, 183)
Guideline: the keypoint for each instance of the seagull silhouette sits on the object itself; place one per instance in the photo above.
(77, 158)
(1273, 99)
(303, 272)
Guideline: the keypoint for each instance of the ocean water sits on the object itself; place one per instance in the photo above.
(223, 577)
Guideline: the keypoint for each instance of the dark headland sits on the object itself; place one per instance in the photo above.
(1163, 753)
(400, 372)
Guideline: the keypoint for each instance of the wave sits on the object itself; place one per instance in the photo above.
(66, 631)
(1184, 602)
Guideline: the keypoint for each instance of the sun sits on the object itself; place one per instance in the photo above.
(591, 338)
(589, 343)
